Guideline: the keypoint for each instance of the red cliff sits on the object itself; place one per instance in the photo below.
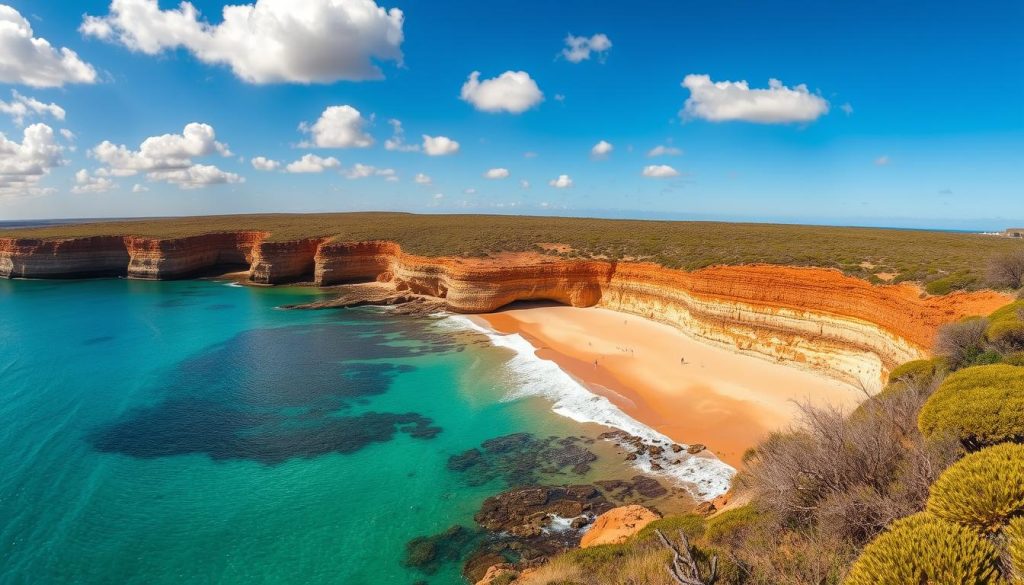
(811, 317)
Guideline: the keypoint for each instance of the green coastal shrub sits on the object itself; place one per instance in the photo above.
(1006, 327)
(948, 284)
(981, 405)
(983, 490)
(731, 525)
(917, 369)
(1014, 535)
(922, 549)
(691, 524)
(962, 342)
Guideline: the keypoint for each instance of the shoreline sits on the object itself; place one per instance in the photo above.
(688, 390)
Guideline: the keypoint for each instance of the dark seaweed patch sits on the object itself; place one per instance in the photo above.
(180, 427)
(521, 458)
(270, 395)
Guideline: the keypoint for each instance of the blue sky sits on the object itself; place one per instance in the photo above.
(912, 113)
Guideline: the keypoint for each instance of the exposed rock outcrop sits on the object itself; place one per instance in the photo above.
(617, 524)
(73, 258)
(277, 262)
(154, 259)
(816, 318)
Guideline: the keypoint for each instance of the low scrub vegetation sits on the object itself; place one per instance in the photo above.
(978, 406)
(944, 261)
(983, 491)
(1006, 269)
(926, 549)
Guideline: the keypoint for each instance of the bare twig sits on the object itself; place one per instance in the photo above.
(683, 568)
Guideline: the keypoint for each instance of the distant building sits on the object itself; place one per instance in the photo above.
(1015, 232)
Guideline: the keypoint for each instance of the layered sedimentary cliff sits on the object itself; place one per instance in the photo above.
(815, 318)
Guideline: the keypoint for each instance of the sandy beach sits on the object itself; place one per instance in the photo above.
(689, 390)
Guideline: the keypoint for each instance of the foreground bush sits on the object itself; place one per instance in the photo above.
(979, 406)
(917, 370)
(1006, 328)
(962, 343)
(983, 490)
(1006, 270)
(847, 477)
(923, 549)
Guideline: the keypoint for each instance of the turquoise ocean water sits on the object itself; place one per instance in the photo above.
(191, 432)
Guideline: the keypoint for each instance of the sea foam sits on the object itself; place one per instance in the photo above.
(532, 375)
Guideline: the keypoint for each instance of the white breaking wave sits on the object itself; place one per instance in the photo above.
(531, 375)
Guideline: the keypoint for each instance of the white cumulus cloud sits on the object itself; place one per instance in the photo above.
(311, 163)
(21, 107)
(168, 151)
(23, 164)
(361, 171)
(195, 177)
(29, 60)
(338, 127)
(262, 163)
(724, 101)
(139, 188)
(498, 173)
(602, 149)
(86, 183)
(660, 171)
(580, 48)
(397, 140)
(512, 91)
(662, 150)
(269, 41)
(439, 145)
(562, 182)
(168, 158)
(422, 179)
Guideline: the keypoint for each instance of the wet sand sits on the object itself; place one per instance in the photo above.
(689, 390)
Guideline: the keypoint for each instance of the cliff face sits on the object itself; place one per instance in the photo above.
(97, 256)
(153, 259)
(815, 318)
(277, 262)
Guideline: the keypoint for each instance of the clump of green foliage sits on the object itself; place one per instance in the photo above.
(917, 370)
(952, 282)
(980, 406)
(925, 549)
(1006, 327)
(983, 490)
(732, 525)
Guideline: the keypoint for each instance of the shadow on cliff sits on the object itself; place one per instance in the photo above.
(270, 395)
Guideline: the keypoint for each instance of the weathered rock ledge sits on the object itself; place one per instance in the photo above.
(816, 318)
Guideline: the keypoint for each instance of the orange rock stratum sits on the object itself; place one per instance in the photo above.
(815, 318)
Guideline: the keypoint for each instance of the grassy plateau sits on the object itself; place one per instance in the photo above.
(946, 260)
